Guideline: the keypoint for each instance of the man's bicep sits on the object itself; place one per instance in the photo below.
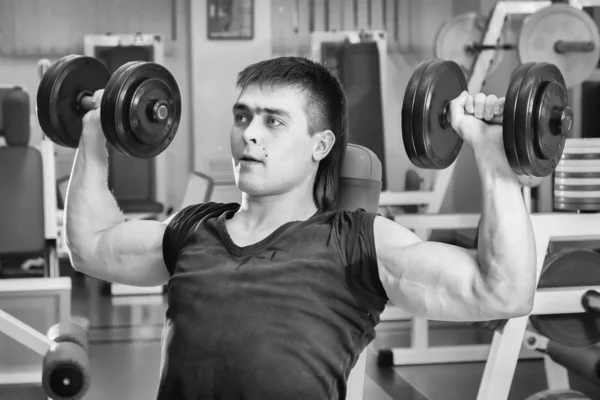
(433, 280)
(130, 253)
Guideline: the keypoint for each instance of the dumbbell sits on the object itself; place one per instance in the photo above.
(536, 122)
(140, 108)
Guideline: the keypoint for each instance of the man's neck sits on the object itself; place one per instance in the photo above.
(267, 212)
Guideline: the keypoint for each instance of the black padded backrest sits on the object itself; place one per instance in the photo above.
(21, 201)
(360, 179)
(14, 116)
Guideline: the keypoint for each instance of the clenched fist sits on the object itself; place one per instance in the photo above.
(477, 118)
(91, 120)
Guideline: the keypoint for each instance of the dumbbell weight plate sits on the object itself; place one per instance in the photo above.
(433, 84)
(407, 115)
(127, 107)
(43, 99)
(570, 269)
(508, 119)
(532, 149)
(58, 111)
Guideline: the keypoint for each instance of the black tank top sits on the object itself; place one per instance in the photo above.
(282, 319)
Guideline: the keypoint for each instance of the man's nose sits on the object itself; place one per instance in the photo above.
(253, 132)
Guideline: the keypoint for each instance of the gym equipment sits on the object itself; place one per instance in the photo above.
(42, 67)
(66, 364)
(360, 186)
(560, 394)
(559, 34)
(15, 116)
(569, 269)
(567, 277)
(584, 362)
(69, 332)
(458, 40)
(65, 373)
(504, 352)
(536, 122)
(564, 36)
(577, 176)
(140, 108)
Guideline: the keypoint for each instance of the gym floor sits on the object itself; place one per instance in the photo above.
(125, 356)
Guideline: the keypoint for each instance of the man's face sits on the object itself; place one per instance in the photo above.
(272, 150)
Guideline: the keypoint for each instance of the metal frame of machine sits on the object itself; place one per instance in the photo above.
(55, 295)
(504, 352)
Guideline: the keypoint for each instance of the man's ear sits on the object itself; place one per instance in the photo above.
(323, 143)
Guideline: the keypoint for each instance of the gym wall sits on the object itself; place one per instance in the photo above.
(214, 68)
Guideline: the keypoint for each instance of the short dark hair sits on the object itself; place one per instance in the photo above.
(326, 108)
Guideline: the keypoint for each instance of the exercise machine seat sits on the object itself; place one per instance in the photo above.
(21, 181)
(360, 187)
(360, 179)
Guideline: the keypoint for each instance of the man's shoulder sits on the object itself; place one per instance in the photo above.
(212, 207)
(201, 211)
(346, 216)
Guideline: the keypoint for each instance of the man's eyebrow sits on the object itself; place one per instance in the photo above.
(261, 110)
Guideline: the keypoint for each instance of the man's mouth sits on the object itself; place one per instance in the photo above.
(249, 159)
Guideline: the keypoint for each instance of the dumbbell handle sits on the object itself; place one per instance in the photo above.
(591, 301)
(563, 120)
(158, 110)
(565, 46)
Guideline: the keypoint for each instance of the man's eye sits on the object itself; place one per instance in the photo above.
(273, 121)
(240, 118)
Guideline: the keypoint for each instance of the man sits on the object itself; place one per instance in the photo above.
(276, 297)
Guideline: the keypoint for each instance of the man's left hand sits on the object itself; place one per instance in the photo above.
(477, 119)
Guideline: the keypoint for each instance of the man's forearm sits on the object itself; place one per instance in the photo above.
(90, 206)
(506, 244)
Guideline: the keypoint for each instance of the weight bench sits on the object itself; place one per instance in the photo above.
(360, 187)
